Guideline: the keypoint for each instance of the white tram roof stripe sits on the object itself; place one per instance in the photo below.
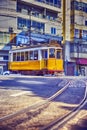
(32, 49)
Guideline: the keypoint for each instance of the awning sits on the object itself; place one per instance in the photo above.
(46, 36)
(81, 61)
(38, 39)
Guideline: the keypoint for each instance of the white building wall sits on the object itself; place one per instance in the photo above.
(8, 16)
(67, 51)
(7, 22)
(67, 31)
(49, 25)
(8, 4)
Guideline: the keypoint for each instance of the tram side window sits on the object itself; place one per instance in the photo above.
(44, 54)
(35, 55)
(18, 56)
(52, 53)
(58, 55)
(22, 56)
(14, 56)
(26, 55)
(31, 55)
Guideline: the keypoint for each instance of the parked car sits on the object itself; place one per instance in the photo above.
(6, 73)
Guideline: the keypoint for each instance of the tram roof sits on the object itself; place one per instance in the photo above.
(38, 45)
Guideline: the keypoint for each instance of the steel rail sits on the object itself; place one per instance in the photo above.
(35, 105)
(54, 125)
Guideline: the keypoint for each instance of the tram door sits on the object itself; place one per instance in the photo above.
(45, 57)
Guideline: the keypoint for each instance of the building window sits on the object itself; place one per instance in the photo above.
(25, 24)
(86, 22)
(72, 19)
(5, 57)
(53, 30)
(4, 38)
(56, 3)
(76, 33)
(21, 23)
(84, 34)
(38, 27)
(79, 6)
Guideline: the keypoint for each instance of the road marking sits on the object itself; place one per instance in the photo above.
(31, 82)
(22, 93)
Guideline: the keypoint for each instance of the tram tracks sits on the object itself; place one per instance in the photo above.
(59, 122)
(36, 105)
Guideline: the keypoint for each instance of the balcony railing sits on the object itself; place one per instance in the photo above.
(50, 3)
(75, 55)
(8, 11)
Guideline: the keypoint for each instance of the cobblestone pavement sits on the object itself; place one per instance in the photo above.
(20, 92)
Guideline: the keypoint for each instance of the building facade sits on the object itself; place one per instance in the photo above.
(75, 36)
(26, 22)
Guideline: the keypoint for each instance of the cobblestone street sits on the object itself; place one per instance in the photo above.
(17, 93)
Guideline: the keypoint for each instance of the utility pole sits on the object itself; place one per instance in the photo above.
(29, 30)
(78, 49)
(64, 34)
(80, 36)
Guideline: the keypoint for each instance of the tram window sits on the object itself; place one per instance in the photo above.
(44, 54)
(58, 55)
(52, 53)
(35, 55)
(26, 55)
(31, 55)
(14, 56)
(18, 56)
(22, 56)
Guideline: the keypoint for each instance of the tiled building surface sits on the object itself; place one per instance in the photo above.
(75, 36)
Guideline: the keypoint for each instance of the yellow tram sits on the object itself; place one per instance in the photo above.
(37, 59)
